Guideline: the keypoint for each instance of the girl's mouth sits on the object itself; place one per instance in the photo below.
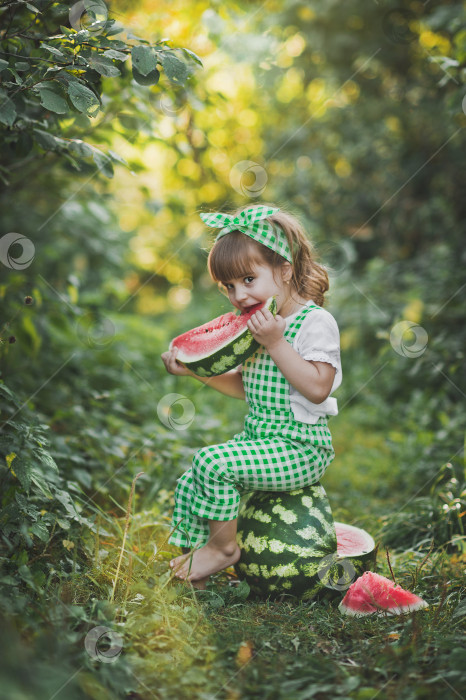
(254, 307)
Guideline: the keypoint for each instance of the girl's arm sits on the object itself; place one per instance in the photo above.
(230, 383)
(313, 380)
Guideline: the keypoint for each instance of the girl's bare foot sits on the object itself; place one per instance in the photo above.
(205, 561)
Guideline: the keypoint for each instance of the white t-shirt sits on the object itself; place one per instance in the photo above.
(317, 339)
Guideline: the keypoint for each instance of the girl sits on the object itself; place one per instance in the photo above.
(261, 251)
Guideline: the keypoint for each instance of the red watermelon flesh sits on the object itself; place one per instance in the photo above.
(220, 345)
(212, 335)
(352, 541)
(372, 593)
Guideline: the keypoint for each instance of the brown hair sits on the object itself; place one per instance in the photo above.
(234, 256)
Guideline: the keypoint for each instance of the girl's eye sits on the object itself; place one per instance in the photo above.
(229, 286)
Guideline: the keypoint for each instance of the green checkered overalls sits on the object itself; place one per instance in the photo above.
(274, 452)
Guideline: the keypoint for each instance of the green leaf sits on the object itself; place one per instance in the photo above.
(82, 36)
(52, 49)
(51, 99)
(3, 65)
(103, 162)
(80, 148)
(66, 31)
(40, 530)
(175, 69)
(83, 99)
(116, 157)
(151, 78)
(193, 55)
(38, 478)
(73, 162)
(26, 575)
(117, 29)
(46, 459)
(64, 524)
(4, 389)
(7, 109)
(65, 499)
(144, 59)
(47, 141)
(22, 473)
(19, 80)
(114, 44)
(117, 55)
(33, 8)
(104, 66)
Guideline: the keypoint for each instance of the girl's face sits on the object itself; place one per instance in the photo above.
(258, 285)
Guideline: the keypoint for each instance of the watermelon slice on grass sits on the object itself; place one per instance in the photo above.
(372, 593)
(219, 345)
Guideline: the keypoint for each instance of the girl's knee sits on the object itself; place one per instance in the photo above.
(202, 453)
(207, 462)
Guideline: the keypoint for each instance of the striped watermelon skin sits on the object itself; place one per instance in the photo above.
(288, 545)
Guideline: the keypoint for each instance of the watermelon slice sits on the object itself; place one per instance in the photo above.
(352, 541)
(372, 593)
(220, 345)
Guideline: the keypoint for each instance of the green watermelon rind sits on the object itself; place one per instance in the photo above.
(229, 356)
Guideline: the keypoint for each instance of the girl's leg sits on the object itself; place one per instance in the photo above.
(188, 530)
(219, 472)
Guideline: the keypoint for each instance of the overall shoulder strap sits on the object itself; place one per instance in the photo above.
(295, 324)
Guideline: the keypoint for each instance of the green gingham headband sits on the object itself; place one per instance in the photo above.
(252, 222)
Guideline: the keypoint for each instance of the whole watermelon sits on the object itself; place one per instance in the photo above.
(288, 544)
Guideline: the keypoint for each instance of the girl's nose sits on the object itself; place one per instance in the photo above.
(241, 295)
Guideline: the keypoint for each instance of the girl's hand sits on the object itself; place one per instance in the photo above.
(266, 328)
(171, 363)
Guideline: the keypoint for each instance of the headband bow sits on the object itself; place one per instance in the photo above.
(252, 222)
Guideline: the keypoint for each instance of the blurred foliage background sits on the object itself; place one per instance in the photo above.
(115, 134)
